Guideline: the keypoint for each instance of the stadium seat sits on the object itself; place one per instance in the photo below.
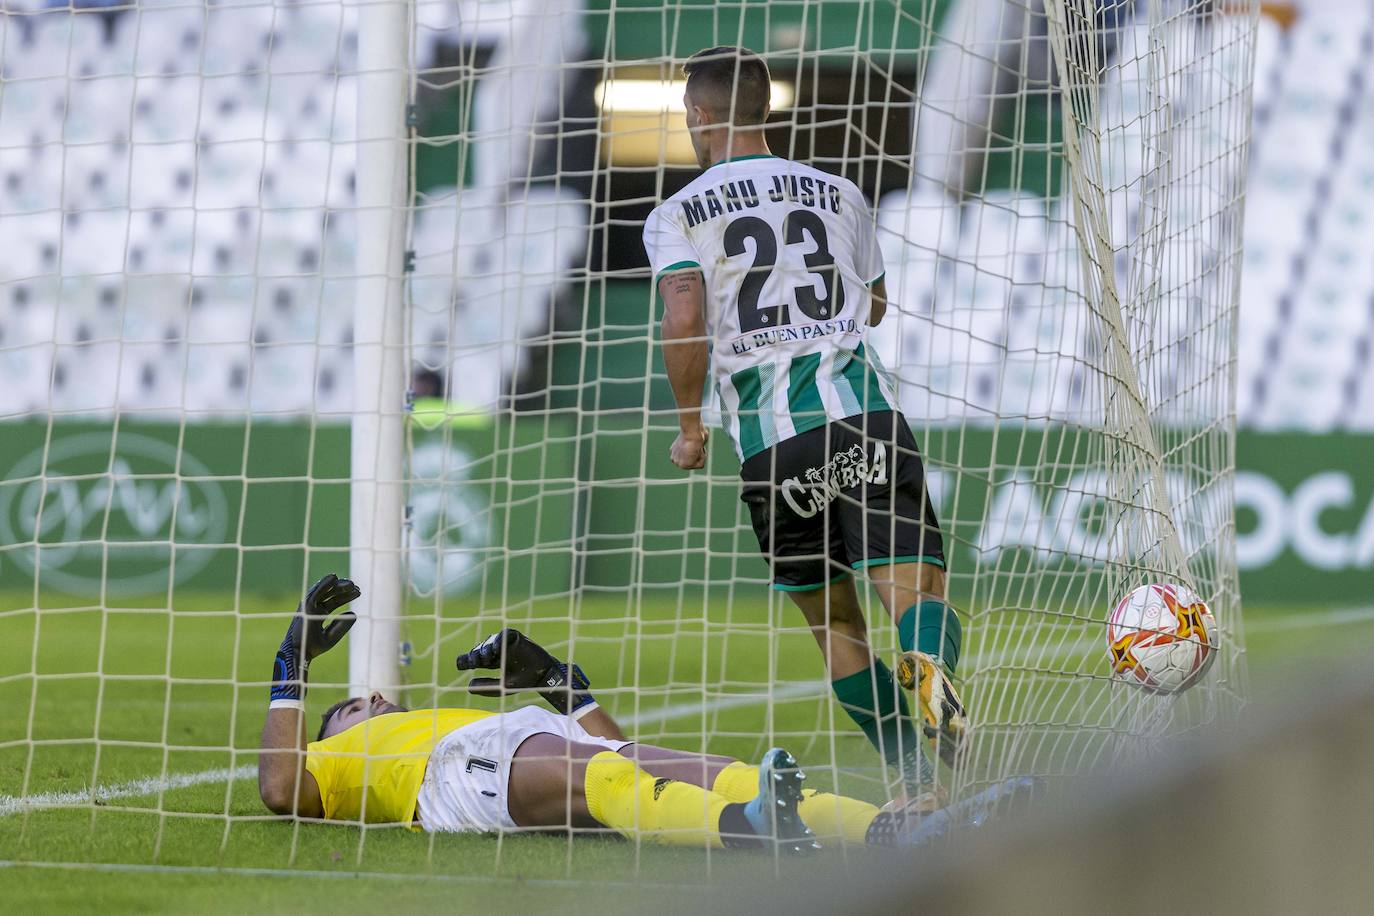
(1360, 410)
(229, 174)
(33, 111)
(237, 39)
(93, 242)
(1269, 65)
(486, 282)
(1325, 45)
(314, 38)
(97, 110)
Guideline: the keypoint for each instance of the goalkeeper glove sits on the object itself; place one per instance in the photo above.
(309, 636)
(525, 665)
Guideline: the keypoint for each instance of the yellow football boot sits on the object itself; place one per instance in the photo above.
(942, 712)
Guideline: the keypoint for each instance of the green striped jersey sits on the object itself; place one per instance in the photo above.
(788, 254)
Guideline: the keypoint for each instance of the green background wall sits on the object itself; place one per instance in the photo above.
(539, 507)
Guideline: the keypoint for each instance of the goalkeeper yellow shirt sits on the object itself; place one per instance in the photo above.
(372, 772)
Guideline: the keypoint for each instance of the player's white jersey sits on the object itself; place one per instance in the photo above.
(788, 253)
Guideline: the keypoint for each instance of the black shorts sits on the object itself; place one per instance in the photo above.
(848, 495)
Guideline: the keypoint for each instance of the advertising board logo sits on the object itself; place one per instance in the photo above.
(1300, 520)
(1085, 519)
(448, 521)
(119, 522)
(1321, 518)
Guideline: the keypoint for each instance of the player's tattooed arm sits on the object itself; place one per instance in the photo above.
(878, 302)
(683, 283)
(685, 356)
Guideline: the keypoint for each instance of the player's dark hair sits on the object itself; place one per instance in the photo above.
(329, 714)
(731, 81)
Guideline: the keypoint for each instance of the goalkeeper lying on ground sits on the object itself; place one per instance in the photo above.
(471, 770)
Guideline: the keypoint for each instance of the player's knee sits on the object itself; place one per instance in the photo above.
(843, 617)
(904, 584)
(539, 781)
(844, 611)
(830, 610)
(840, 632)
(930, 579)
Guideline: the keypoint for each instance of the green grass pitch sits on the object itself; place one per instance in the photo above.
(171, 699)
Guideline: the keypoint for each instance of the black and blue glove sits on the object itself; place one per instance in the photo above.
(526, 665)
(310, 635)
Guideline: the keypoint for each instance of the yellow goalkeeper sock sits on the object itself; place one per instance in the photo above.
(827, 815)
(635, 804)
(836, 815)
(738, 782)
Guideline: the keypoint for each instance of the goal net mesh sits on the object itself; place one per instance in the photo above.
(1057, 187)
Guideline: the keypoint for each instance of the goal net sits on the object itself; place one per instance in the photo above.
(356, 285)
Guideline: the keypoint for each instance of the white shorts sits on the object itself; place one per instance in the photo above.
(466, 784)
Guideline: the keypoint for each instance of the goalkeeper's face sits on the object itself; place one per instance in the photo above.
(355, 710)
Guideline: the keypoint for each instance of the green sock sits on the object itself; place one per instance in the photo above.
(931, 627)
(876, 705)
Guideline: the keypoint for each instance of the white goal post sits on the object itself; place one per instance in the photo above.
(297, 286)
(377, 445)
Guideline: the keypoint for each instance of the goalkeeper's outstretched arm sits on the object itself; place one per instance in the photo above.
(284, 783)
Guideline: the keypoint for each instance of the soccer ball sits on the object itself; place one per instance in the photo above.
(1161, 638)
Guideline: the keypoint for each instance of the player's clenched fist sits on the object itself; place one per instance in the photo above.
(689, 449)
(311, 634)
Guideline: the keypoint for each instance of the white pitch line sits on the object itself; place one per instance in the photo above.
(1321, 619)
(149, 785)
(737, 701)
(152, 785)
